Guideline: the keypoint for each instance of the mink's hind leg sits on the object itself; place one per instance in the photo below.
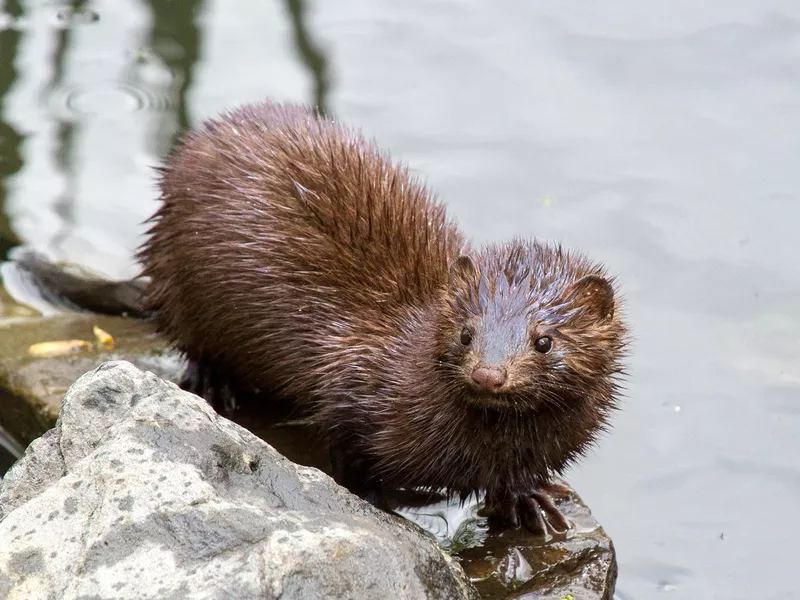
(510, 508)
(203, 379)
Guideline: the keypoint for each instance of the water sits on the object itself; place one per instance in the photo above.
(659, 137)
(10, 450)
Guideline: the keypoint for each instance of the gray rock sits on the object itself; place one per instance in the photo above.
(142, 491)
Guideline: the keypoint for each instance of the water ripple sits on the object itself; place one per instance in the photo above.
(109, 98)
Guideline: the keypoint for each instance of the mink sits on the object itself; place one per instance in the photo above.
(292, 258)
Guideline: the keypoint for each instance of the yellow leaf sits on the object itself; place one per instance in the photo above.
(59, 348)
(104, 338)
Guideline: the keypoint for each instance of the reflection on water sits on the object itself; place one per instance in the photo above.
(10, 451)
(176, 39)
(455, 525)
(310, 53)
(111, 83)
(63, 149)
(10, 139)
(154, 79)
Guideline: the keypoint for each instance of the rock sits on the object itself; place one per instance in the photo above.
(581, 564)
(141, 490)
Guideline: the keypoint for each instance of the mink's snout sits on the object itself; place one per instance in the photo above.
(491, 378)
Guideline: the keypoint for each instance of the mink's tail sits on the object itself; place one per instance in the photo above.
(32, 279)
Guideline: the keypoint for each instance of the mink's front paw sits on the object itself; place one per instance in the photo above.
(534, 510)
(202, 379)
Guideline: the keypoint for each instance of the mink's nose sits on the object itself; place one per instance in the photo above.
(490, 379)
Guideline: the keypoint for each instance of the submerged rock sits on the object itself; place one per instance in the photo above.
(141, 490)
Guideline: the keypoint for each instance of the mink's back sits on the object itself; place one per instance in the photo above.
(284, 238)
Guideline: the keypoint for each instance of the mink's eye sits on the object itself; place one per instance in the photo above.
(466, 337)
(543, 344)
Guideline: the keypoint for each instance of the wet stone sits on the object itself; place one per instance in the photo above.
(513, 564)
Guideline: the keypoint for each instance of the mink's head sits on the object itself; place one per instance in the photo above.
(527, 326)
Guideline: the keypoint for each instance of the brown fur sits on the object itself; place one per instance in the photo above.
(295, 258)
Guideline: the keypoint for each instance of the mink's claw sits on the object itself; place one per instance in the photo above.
(534, 510)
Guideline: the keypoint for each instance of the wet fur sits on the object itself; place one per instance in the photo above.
(296, 259)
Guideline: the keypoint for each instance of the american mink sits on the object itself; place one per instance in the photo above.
(291, 257)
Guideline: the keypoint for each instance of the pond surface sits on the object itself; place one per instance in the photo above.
(660, 138)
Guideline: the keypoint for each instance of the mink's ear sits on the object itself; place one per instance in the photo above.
(595, 295)
(461, 269)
